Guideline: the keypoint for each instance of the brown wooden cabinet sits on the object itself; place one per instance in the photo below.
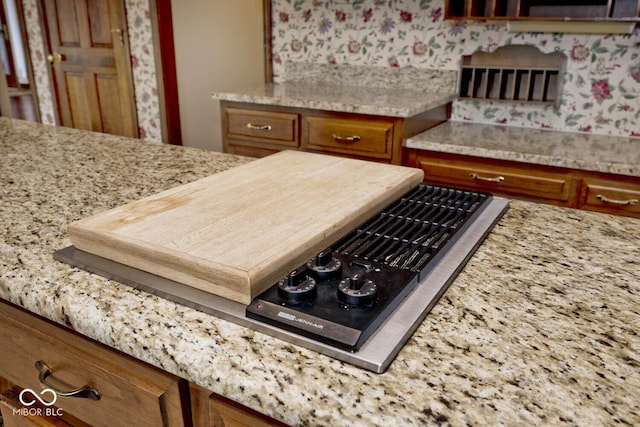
(550, 185)
(602, 192)
(258, 130)
(270, 131)
(117, 389)
(210, 409)
(561, 10)
(367, 138)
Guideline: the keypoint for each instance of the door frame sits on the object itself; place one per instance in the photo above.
(165, 60)
(5, 104)
(12, 80)
(27, 55)
(268, 41)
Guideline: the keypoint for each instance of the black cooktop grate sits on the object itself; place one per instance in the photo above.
(410, 232)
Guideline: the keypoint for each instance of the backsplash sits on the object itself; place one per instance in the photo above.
(601, 90)
(405, 78)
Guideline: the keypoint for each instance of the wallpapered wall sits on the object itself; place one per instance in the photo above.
(142, 60)
(601, 91)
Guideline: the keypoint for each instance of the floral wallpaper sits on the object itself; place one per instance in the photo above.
(601, 89)
(43, 83)
(142, 60)
(144, 69)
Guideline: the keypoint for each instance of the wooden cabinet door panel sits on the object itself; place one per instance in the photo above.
(587, 10)
(251, 148)
(131, 392)
(213, 410)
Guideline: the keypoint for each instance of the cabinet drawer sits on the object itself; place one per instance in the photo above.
(366, 138)
(131, 392)
(499, 180)
(264, 125)
(612, 197)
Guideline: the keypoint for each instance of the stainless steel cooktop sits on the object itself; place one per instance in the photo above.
(396, 322)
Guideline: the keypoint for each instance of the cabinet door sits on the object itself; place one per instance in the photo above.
(610, 196)
(210, 409)
(587, 10)
(125, 391)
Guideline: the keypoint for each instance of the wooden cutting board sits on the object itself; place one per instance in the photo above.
(236, 233)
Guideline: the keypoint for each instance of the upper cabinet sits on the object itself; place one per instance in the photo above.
(548, 10)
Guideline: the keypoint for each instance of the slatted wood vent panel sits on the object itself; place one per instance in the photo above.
(513, 73)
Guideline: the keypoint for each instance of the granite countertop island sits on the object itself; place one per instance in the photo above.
(540, 327)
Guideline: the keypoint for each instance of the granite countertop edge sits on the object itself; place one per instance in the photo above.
(521, 147)
(348, 99)
(554, 161)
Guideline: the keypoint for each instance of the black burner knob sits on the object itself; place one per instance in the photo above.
(356, 282)
(357, 291)
(296, 287)
(324, 266)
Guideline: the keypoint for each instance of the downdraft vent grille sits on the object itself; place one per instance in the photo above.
(411, 231)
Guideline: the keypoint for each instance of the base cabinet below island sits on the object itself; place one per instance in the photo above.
(53, 376)
(601, 192)
(258, 130)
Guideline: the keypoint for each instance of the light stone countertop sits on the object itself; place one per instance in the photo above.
(341, 98)
(583, 151)
(540, 327)
(402, 92)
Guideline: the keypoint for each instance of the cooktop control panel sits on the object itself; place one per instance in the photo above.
(345, 292)
(334, 298)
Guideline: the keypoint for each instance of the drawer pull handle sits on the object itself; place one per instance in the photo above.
(346, 139)
(605, 199)
(44, 371)
(484, 178)
(258, 127)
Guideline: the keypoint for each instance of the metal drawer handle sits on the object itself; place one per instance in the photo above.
(258, 127)
(484, 178)
(44, 371)
(347, 139)
(629, 202)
